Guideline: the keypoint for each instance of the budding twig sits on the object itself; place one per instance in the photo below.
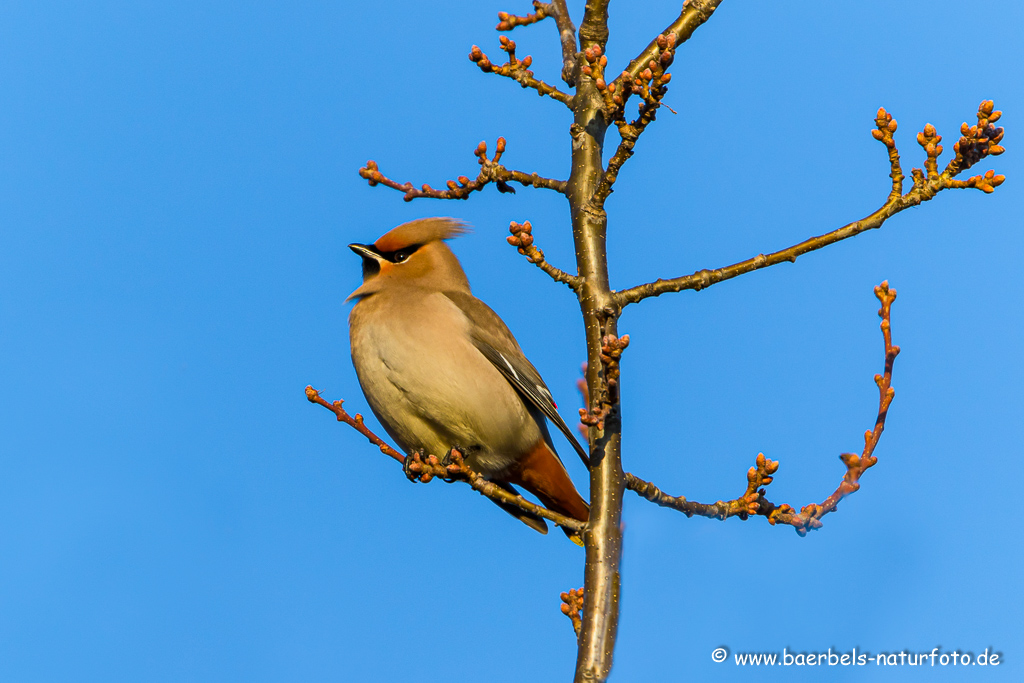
(518, 70)
(572, 606)
(507, 22)
(753, 500)
(522, 240)
(976, 143)
(491, 171)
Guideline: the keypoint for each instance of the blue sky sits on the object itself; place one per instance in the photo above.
(177, 186)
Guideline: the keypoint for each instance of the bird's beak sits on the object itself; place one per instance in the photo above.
(365, 250)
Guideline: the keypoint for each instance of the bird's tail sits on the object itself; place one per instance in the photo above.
(542, 473)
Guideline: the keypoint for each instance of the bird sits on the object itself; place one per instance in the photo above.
(441, 370)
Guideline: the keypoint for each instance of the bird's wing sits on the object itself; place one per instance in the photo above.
(494, 340)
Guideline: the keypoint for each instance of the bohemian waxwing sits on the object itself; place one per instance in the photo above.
(441, 370)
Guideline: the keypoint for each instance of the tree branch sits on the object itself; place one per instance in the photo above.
(522, 239)
(753, 500)
(976, 143)
(451, 468)
(490, 172)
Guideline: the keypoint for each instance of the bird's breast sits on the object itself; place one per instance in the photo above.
(429, 385)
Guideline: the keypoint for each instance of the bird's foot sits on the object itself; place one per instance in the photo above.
(413, 467)
(454, 463)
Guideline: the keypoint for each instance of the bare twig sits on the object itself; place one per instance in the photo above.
(424, 468)
(490, 172)
(753, 500)
(977, 143)
(517, 70)
(522, 239)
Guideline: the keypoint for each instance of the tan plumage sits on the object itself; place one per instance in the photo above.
(441, 370)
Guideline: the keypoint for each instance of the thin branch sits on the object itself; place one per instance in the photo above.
(490, 172)
(976, 143)
(594, 27)
(451, 468)
(753, 500)
(518, 70)
(522, 239)
(567, 37)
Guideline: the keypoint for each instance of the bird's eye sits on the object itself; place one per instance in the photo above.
(400, 256)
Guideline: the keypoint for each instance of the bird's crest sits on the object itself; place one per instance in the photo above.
(420, 231)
